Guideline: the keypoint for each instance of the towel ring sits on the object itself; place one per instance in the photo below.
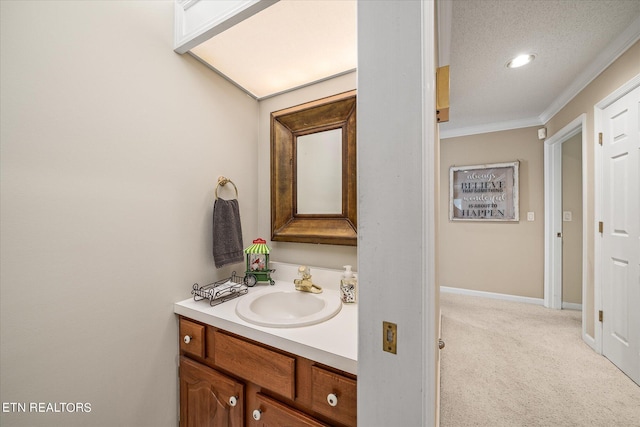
(222, 181)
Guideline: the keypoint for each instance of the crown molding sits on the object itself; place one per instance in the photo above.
(615, 49)
(491, 127)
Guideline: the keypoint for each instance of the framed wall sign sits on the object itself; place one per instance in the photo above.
(484, 192)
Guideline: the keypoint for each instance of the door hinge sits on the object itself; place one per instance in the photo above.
(600, 316)
(600, 138)
(600, 227)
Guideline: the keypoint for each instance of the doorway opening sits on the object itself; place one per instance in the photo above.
(572, 221)
(556, 216)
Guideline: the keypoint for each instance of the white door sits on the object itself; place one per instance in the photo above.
(621, 234)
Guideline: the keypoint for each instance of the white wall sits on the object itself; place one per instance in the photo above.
(110, 148)
(397, 200)
(329, 256)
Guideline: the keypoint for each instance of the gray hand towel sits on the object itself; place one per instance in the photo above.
(227, 233)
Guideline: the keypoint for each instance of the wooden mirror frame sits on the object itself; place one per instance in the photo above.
(334, 112)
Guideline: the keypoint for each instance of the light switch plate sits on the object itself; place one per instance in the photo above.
(531, 216)
(566, 216)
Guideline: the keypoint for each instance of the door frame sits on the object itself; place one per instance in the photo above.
(397, 388)
(553, 214)
(598, 121)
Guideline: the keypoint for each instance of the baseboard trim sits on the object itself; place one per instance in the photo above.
(571, 306)
(590, 341)
(507, 297)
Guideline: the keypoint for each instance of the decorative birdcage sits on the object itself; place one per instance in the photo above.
(258, 263)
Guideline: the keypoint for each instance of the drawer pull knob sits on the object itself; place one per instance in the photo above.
(187, 339)
(233, 400)
(257, 414)
(332, 399)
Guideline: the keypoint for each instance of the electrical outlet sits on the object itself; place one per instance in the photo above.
(531, 216)
(389, 337)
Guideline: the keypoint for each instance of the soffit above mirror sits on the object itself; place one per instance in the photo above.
(266, 47)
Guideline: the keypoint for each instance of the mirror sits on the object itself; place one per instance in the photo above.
(313, 172)
(319, 173)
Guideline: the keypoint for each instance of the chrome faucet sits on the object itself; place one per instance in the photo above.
(305, 284)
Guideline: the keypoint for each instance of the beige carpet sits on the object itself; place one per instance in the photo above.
(517, 364)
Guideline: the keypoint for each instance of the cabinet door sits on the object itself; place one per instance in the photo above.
(207, 397)
(275, 414)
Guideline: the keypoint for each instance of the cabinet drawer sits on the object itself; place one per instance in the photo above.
(256, 364)
(272, 413)
(194, 345)
(343, 391)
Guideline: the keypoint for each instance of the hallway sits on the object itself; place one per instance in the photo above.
(516, 364)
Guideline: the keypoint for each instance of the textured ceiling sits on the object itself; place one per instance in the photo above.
(567, 36)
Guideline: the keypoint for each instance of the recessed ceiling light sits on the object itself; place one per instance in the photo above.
(521, 60)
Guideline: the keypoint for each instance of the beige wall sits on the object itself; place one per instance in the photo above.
(329, 256)
(572, 230)
(500, 257)
(110, 148)
(617, 74)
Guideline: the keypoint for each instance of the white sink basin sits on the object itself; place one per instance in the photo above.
(288, 309)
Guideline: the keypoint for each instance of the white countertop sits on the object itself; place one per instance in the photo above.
(333, 342)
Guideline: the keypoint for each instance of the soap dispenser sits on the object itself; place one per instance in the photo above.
(348, 285)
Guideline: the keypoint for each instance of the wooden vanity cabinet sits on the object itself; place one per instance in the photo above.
(209, 398)
(272, 388)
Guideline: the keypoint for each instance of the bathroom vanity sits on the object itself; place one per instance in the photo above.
(235, 373)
